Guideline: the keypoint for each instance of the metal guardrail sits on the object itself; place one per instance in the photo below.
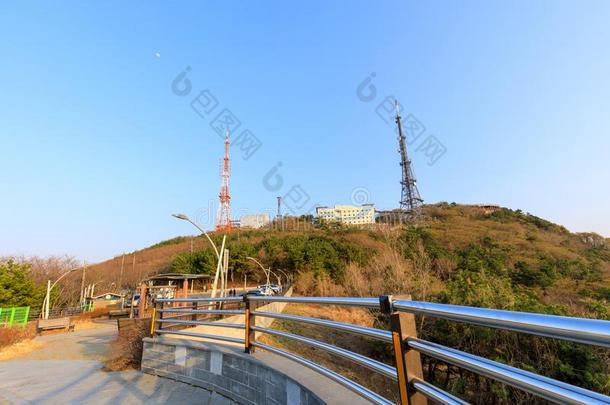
(411, 387)
(580, 330)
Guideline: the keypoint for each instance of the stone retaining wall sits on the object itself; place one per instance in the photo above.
(235, 375)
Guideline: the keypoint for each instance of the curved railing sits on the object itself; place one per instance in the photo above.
(407, 372)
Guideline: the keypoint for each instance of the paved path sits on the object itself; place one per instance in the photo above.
(67, 369)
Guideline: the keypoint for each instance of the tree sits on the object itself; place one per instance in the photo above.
(16, 288)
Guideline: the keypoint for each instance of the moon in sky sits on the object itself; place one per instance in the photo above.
(158, 55)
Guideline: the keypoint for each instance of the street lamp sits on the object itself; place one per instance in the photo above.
(285, 275)
(187, 219)
(47, 298)
(266, 271)
(218, 253)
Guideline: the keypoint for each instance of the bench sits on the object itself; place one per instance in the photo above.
(57, 323)
(118, 313)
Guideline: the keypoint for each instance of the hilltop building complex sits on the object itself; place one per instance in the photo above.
(348, 214)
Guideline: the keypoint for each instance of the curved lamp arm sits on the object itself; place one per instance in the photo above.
(185, 218)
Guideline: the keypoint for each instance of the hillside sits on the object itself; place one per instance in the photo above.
(557, 266)
(496, 258)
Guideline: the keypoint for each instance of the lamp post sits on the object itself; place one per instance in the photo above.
(218, 253)
(266, 271)
(187, 219)
(46, 303)
(285, 275)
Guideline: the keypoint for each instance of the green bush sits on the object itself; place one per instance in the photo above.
(16, 289)
(525, 275)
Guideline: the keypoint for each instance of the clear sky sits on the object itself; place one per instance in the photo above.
(99, 146)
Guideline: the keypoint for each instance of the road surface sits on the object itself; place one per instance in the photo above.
(67, 369)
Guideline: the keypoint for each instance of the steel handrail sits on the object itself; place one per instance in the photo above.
(346, 382)
(347, 327)
(436, 394)
(580, 330)
(200, 335)
(347, 301)
(204, 299)
(201, 323)
(187, 311)
(589, 331)
(374, 365)
(547, 388)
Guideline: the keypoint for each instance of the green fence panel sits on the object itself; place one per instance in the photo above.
(14, 316)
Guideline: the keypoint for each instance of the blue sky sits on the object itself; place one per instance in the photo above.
(97, 150)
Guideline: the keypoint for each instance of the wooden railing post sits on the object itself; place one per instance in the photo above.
(250, 321)
(408, 361)
(195, 306)
(153, 319)
(142, 303)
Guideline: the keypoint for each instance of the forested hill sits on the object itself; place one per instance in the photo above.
(464, 254)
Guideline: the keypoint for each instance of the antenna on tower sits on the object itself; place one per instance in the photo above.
(410, 200)
(223, 221)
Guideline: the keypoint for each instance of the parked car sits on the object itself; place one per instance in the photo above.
(276, 289)
(257, 292)
(136, 301)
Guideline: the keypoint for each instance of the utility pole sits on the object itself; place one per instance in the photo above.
(121, 276)
(82, 285)
(133, 268)
(279, 219)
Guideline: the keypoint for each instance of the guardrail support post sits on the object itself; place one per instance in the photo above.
(153, 319)
(195, 306)
(408, 362)
(250, 321)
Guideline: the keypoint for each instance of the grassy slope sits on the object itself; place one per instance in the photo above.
(451, 227)
(427, 266)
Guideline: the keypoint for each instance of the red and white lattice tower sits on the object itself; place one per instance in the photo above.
(223, 221)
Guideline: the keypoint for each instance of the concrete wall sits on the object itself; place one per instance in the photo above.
(228, 372)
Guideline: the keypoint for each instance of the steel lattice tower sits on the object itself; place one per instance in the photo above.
(223, 221)
(410, 201)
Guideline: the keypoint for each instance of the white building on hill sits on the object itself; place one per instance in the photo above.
(254, 221)
(348, 214)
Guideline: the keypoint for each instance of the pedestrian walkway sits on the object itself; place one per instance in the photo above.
(67, 369)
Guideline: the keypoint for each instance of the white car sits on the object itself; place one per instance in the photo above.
(271, 288)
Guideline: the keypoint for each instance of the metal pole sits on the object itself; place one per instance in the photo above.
(218, 265)
(261, 266)
(47, 299)
(82, 286)
(226, 266)
(121, 275)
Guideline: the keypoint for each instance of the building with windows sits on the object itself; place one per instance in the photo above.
(348, 214)
(254, 221)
